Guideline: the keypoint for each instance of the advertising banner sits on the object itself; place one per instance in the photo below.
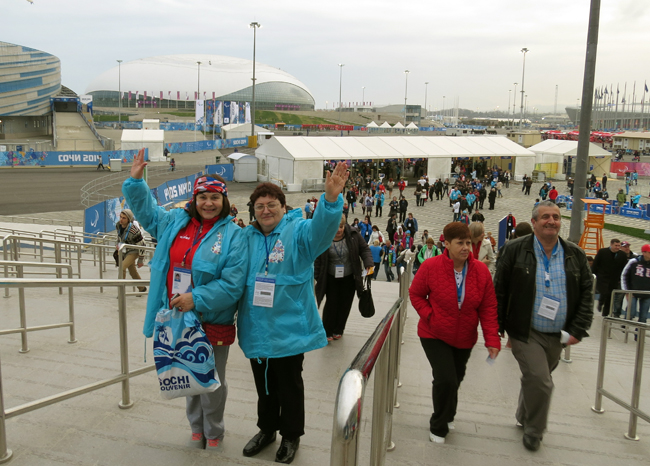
(224, 170)
(200, 107)
(209, 112)
(226, 113)
(65, 158)
(248, 112)
(234, 113)
(643, 168)
(95, 219)
(176, 190)
(218, 116)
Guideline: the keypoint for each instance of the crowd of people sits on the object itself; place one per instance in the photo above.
(264, 277)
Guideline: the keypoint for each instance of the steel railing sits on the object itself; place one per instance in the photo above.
(123, 377)
(23, 329)
(633, 406)
(121, 272)
(381, 350)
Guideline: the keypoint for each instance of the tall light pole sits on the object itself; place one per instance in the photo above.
(255, 25)
(363, 95)
(119, 91)
(523, 74)
(198, 93)
(443, 109)
(426, 85)
(508, 107)
(406, 88)
(341, 65)
(514, 104)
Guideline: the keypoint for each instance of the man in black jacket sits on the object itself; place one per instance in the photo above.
(608, 265)
(544, 292)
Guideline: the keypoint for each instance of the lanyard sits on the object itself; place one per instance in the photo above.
(338, 253)
(460, 289)
(547, 262)
(197, 237)
(268, 253)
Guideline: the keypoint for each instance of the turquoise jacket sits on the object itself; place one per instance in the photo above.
(292, 326)
(218, 266)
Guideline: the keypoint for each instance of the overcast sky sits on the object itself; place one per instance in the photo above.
(465, 49)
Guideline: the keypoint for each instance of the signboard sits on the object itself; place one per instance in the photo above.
(85, 99)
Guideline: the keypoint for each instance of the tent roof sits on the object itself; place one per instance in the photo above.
(240, 155)
(561, 147)
(385, 125)
(235, 126)
(412, 125)
(398, 125)
(372, 124)
(389, 147)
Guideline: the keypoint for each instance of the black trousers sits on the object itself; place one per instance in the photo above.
(448, 365)
(283, 408)
(339, 294)
(402, 216)
(379, 210)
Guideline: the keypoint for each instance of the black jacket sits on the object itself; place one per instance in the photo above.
(608, 267)
(514, 283)
(357, 248)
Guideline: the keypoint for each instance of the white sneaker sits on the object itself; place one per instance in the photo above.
(436, 439)
(519, 424)
(451, 425)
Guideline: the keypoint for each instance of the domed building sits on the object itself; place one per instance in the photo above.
(172, 81)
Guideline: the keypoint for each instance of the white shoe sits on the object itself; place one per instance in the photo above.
(436, 439)
(519, 424)
(451, 425)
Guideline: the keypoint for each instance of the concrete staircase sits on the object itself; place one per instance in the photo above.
(72, 133)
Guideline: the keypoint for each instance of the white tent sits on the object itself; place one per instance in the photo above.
(245, 167)
(398, 125)
(385, 125)
(241, 130)
(152, 139)
(550, 156)
(290, 160)
(372, 124)
(412, 125)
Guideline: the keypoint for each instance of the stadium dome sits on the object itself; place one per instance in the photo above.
(171, 81)
(28, 78)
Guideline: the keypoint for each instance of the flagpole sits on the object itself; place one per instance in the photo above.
(645, 89)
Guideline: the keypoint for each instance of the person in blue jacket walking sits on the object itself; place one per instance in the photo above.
(278, 320)
(200, 263)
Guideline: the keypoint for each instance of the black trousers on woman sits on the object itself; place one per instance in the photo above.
(283, 408)
(339, 294)
(448, 365)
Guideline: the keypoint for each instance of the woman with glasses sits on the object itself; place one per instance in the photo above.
(277, 318)
(199, 265)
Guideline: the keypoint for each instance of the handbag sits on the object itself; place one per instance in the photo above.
(366, 305)
(184, 357)
(220, 335)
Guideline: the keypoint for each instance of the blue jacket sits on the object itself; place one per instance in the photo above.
(366, 230)
(380, 199)
(218, 267)
(293, 325)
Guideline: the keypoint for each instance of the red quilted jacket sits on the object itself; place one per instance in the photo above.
(433, 295)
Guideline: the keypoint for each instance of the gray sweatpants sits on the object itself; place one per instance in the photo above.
(205, 412)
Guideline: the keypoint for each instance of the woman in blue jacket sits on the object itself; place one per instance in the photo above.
(277, 320)
(199, 261)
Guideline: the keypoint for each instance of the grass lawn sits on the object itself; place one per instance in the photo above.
(267, 117)
(109, 117)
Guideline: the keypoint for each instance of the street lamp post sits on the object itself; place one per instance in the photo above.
(426, 85)
(198, 93)
(508, 107)
(119, 92)
(341, 65)
(514, 104)
(363, 96)
(406, 87)
(255, 25)
(443, 109)
(523, 74)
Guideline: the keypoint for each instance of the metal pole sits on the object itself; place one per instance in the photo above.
(73, 338)
(514, 104)
(406, 87)
(378, 442)
(426, 85)
(198, 93)
(21, 309)
(523, 74)
(124, 348)
(341, 65)
(363, 95)
(636, 389)
(598, 405)
(119, 91)
(254, 25)
(5, 454)
(582, 157)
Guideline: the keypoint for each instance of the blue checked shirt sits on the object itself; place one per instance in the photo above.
(556, 290)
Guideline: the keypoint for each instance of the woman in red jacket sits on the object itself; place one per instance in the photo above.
(452, 293)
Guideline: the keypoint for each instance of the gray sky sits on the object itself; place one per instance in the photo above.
(464, 49)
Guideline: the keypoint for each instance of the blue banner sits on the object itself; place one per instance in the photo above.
(32, 158)
(95, 219)
(224, 170)
(196, 146)
(176, 190)
(226, 113)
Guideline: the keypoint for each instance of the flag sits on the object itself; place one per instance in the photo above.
(248, 113)
(605, 90)
(218, 114)
(129, 95)
(187, 95)
(623, 101)
(145, 95)
(645, 87)
(161, 95)
(199, 112)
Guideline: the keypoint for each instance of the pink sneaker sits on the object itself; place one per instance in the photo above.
(197, 441)
(214, 444)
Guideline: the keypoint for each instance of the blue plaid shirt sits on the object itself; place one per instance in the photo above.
(556, 290)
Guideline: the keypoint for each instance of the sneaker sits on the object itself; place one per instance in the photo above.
(214, 444)
(451, 425)
(519, 424)
(197, 441)
(436, 439)
(336, 336)
(330, 338)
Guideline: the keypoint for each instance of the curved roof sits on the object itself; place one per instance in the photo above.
(172, 73)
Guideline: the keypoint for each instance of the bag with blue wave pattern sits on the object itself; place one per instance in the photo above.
(184, 356)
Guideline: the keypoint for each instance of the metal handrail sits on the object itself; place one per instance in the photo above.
(382, 350)
(633, 406)
(23, 329)
(122, 272)
(123, 377)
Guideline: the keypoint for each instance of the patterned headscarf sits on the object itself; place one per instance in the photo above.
(208, 184)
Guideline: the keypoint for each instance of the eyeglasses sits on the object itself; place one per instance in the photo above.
(273, 207)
